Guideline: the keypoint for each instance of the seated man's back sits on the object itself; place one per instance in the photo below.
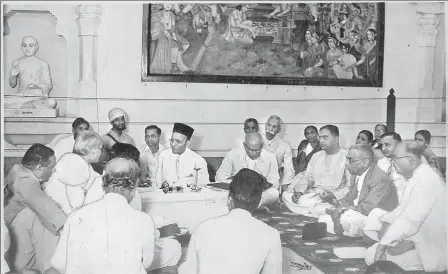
(108, 236)
(235, 243)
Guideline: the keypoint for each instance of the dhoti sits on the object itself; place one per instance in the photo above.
(269, 196)
(32, 245)
(310, 204)
(409, 261)
(167, 252)
(373, 224)
(352, 222)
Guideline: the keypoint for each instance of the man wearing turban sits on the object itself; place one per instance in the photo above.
(237, 242)
(118, 119)
(178, 165)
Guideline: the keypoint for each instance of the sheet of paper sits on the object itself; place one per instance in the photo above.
(350, 252)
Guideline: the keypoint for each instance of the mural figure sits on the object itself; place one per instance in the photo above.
(298, 40)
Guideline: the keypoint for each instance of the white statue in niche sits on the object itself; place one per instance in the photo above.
(32, 74)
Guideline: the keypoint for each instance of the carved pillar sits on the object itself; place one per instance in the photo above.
(428, 24)
(88, 21)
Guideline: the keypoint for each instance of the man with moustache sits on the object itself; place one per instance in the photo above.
(118, 119)
(178, 165)
(325, 179)
(281, 149)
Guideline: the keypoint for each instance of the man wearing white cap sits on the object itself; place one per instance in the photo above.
(118, 119)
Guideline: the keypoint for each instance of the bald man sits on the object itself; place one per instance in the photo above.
(251, 155)
(370, 187)
(32, 74)
(414, 234)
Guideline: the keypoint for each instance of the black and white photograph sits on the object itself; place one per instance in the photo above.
(221, 137)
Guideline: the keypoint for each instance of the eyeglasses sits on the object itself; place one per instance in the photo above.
(351, 160)
(179, 142)
(252, 150)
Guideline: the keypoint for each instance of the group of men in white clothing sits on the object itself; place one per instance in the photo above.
(74, 207)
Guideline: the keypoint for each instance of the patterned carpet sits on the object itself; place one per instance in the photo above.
(318, 253)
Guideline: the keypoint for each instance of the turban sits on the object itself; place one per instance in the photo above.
(115, 113)
(183, 129)
(248, 185)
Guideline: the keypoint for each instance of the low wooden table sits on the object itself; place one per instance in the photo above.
(187, 208)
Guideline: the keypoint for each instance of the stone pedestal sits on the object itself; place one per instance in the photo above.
(31, 113)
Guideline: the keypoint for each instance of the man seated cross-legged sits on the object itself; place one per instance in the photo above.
(370, 187)
(253, 156)
(325, 176)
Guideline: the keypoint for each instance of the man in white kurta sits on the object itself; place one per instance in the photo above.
(236, 243)
(251, 155)
(179, 165)
(64, 143)
(108, 236)
(326, 173)
(149, 153)
(415, 234)
(281, 149)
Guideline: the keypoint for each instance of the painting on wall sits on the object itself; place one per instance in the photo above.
(321, 44)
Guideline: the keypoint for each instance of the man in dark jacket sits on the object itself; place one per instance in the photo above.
(370, 187)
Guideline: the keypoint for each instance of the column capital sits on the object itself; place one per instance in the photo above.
(430, 7)
(428, 24)
(89, 19)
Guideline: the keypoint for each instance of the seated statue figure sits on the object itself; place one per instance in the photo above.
(34, 79)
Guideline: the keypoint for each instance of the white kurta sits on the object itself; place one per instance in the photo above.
(283, 152)
(62, 144)
(149, 161)
(421, 218)
(235, 243)
(179, 170)
(6, 243)
(106, 237)
(324, 172)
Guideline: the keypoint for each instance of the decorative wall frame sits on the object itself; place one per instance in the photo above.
(318, 44)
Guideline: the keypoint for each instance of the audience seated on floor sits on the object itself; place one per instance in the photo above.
(253, 156)
(414, 234)
(370, 187)
(119, 238)
(64, 143)
(34, 220)
(307, 148)
(236, 243)
(326, 175)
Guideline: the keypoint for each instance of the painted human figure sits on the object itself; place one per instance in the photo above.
(283, 12)
(239, 28)
(170, 46)
(371, 49)
(32, 75)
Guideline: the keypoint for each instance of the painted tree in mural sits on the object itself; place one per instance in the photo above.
(326, 40)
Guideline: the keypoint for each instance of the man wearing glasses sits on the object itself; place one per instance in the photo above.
(178, 166)
(414, 234)
(370, 187)
(251, 155)
(325, 178)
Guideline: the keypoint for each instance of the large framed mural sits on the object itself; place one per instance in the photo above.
(323, 44)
